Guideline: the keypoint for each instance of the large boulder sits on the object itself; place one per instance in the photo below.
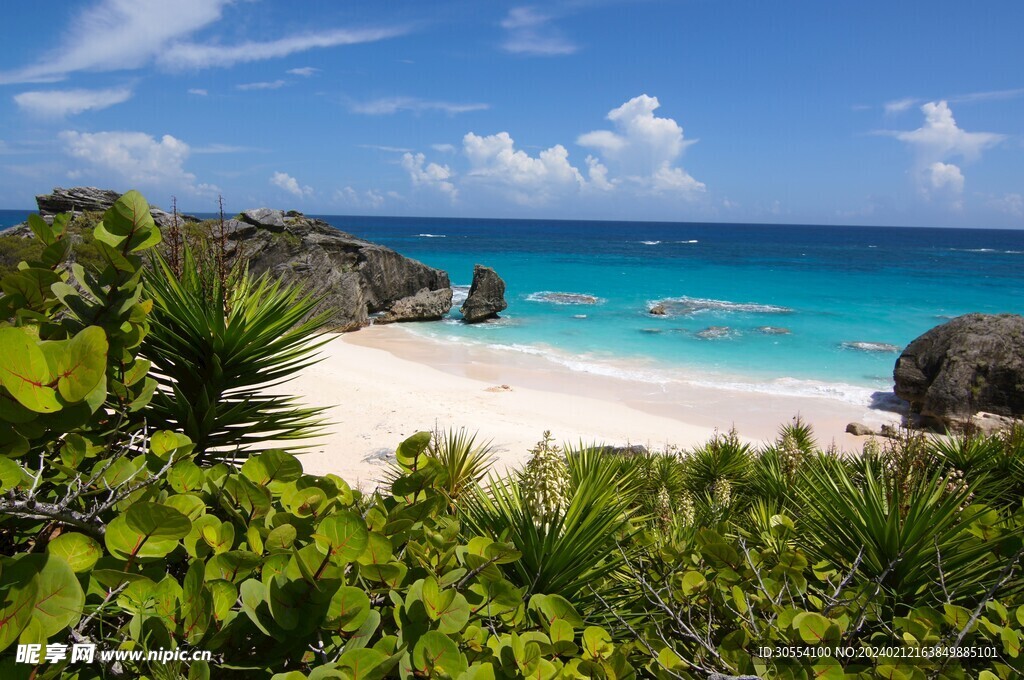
(486, 296)
(425, 305)
(973, 363)
(356, 278)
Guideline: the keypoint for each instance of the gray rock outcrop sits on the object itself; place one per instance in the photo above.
(973, 363)
(486, 296)
(425, 305)
(91, 199)
(356, 277)
(658, 310)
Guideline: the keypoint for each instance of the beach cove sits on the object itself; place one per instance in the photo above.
(384, 383)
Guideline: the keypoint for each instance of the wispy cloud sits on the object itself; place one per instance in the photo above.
(115, 35)
(899, 105)
(384, 147)
(118, 35)
(60, 103)
(304, 72)
(989, 96)
(264, 85)
(199, 92)
(391, 105)
(182, 55)
(224, 148)
(529, 31)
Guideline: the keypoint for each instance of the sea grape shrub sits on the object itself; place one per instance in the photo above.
(277, 571)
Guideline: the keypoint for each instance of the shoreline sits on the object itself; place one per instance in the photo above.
(384, 383)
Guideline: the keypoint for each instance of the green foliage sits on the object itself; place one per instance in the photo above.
(219, 343)
(670, 565)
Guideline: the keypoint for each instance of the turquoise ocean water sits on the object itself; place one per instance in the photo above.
(830, 287)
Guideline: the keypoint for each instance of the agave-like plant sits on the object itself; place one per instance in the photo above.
(217, 345)
(907, 537)
(724, 457)
(577, 547)
(460, 462)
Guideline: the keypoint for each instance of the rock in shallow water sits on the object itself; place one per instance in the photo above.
(714, 333)
(973, 363)
(773, 330)
(486, 296)
(871, 346)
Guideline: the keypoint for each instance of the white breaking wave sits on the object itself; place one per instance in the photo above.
(692, 240)
(795, 387)
(871, 346)
(432, 235)
(650, 243)
(459, 295)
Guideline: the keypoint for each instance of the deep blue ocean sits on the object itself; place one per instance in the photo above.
(832, 289)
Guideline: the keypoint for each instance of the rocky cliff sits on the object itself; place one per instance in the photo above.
(357, 279)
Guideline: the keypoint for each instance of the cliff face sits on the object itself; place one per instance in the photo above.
(357, 278)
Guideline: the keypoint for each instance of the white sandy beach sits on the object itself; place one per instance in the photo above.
(383, 383)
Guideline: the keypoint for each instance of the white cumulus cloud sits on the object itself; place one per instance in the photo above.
(940, 137)
(429, 174)
(304, 72)
(938, 141)
(60, 103)
(526, 179)
(285, 181)
(135, 158)
(644, 148)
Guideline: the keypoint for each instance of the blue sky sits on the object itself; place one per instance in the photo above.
(837, 112)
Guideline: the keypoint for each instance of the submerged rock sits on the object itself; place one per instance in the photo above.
(563, 298)
(883, 347)
(486, 296)
(773, 330)
(714, 332)
(970, 364)
(657, 310)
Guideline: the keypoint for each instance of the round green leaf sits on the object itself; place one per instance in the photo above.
(437, 655)
(59, 596)
(348, 610)
(83, 363)
(25, 372)
(157, 521)
(17, 595)
(80, 551)
(343, 536)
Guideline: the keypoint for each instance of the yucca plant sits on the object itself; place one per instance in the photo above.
(724, 457)
(574, 548)
(999, 459)
(218, 344)
(907, 537)
(460, 462)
